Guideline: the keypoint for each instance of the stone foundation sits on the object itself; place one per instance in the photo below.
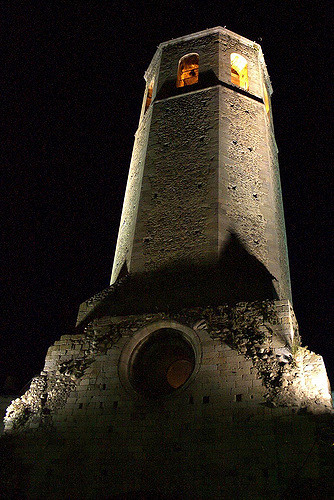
(248, 416)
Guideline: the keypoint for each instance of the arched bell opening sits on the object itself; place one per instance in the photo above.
(239, 71)
(149, 95)
(266, 99)
(187, 73)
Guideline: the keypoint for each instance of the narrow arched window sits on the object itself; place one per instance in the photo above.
(187, 73)
(149, 95)
(239, 71)
(266, 99)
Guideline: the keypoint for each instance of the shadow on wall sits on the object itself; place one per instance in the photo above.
(237, 277)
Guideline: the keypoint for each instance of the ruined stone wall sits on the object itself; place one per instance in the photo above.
(240, 350)
(94, 435)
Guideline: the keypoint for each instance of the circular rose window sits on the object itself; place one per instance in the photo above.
(161, 364)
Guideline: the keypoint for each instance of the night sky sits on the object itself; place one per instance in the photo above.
(73, 87)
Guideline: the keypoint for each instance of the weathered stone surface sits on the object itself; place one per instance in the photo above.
(209, 169)
(242, 402)
(189, 380)
(240, 346)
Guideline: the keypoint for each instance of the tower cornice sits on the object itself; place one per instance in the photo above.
(209, 31)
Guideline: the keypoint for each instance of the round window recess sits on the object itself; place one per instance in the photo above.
(161, 364)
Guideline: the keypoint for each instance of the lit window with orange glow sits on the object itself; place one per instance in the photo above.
(149, 95)
(266, 99)
(239, 71)
(187, 73)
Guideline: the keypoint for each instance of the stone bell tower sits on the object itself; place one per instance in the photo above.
(204, 172)
(187, 378)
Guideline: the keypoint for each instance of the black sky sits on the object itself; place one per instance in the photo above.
(73, 86)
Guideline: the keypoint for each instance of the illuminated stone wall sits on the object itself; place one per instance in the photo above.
(131, 200)
(202, 256)
(177, 216)
(250, 202)
(243, 398)
(210, 167)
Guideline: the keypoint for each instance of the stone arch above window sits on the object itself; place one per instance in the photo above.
(187, 73)
(239, 71)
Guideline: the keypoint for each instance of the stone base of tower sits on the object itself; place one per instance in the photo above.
(246, 412)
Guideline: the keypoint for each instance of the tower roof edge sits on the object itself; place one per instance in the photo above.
(198, 34)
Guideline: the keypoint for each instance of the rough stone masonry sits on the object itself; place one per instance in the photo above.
(187, 377)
